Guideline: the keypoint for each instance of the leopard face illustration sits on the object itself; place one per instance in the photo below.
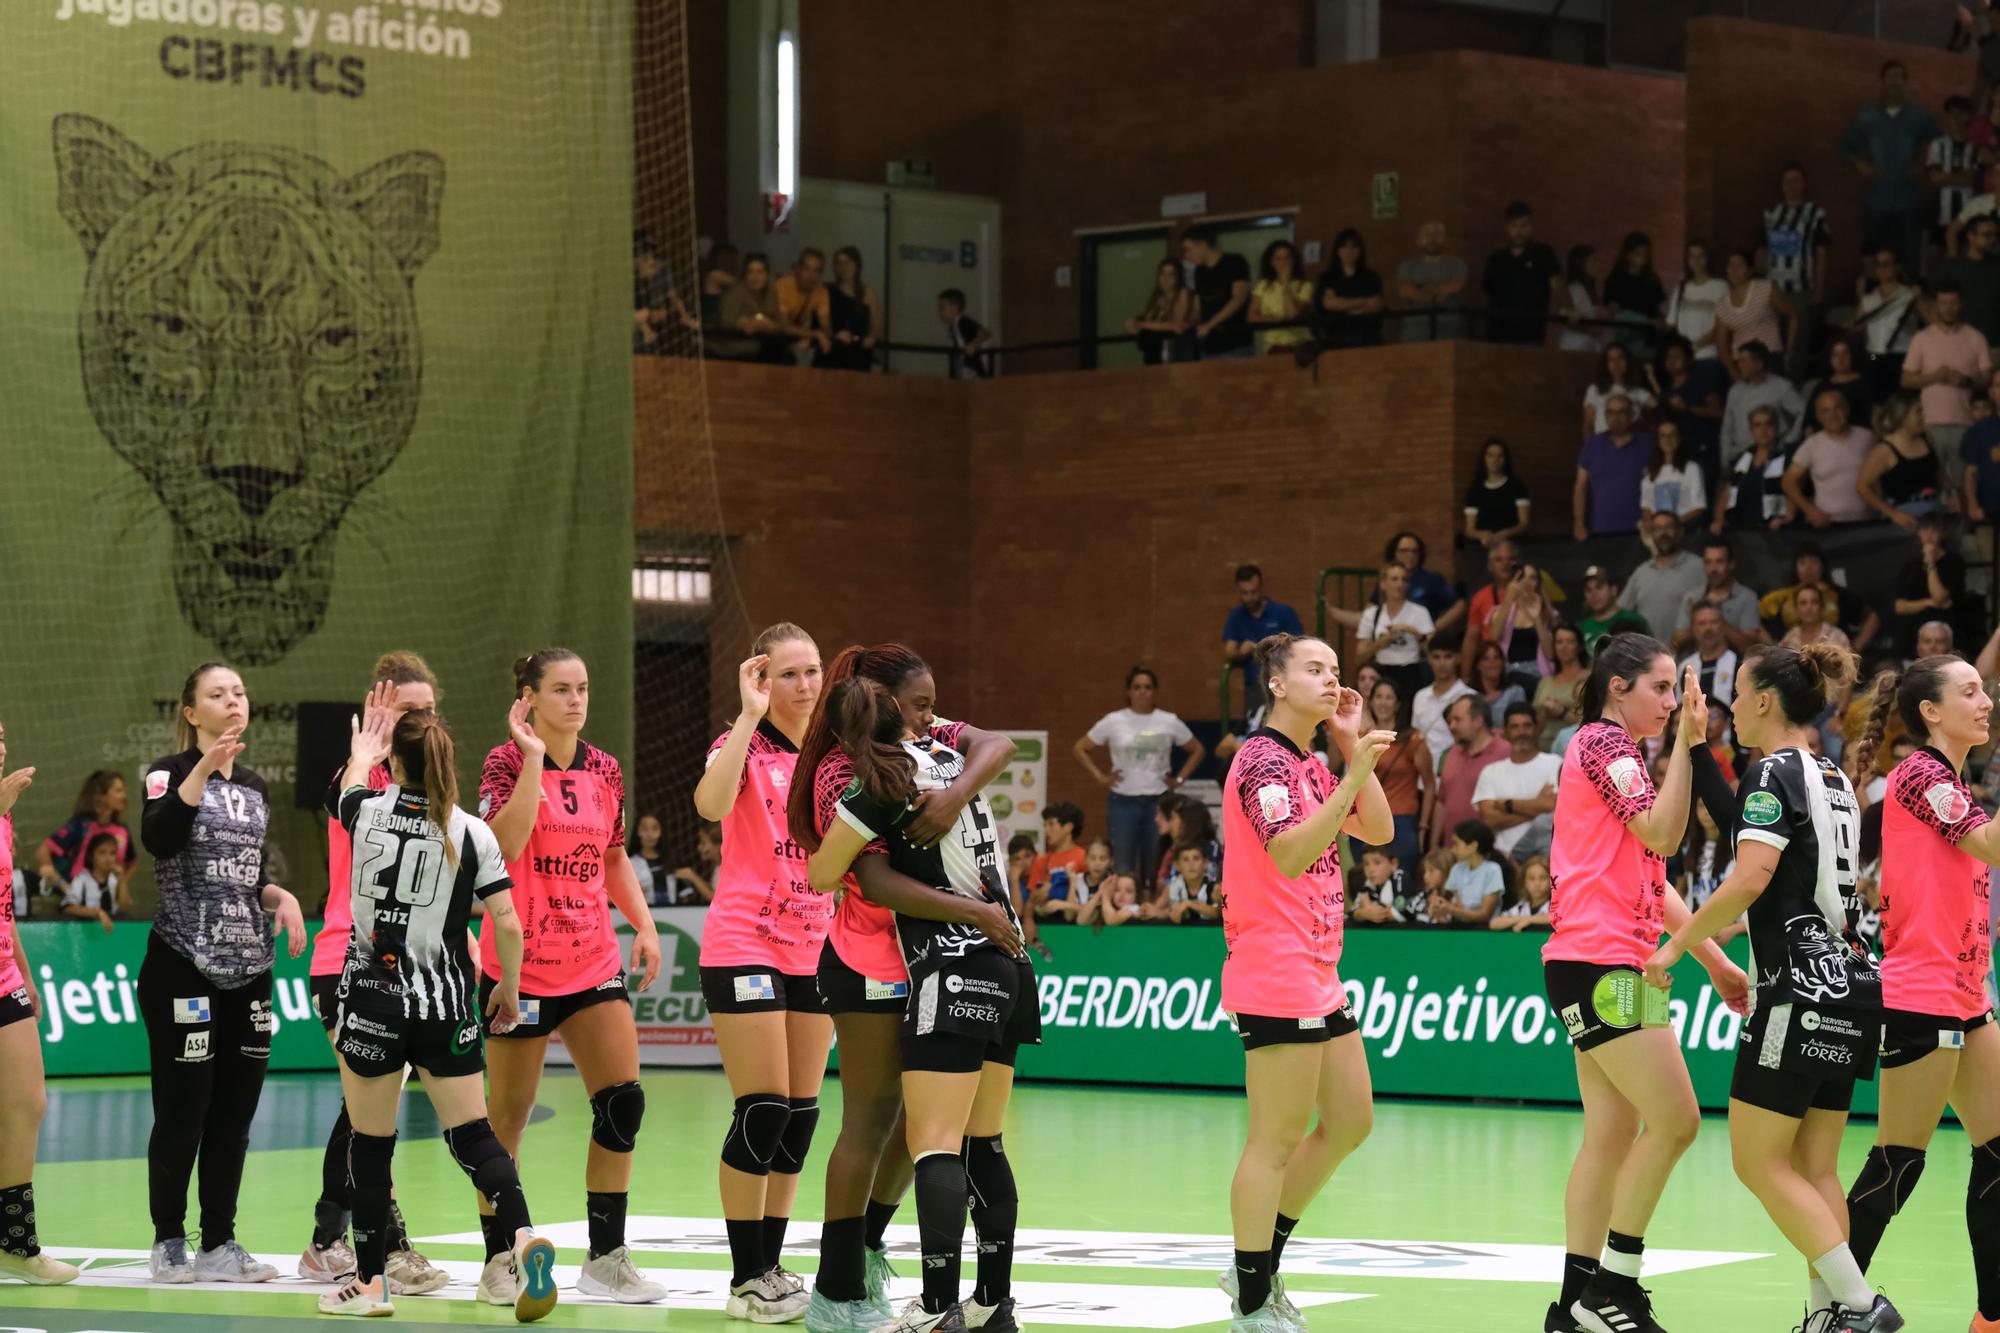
(250, 346)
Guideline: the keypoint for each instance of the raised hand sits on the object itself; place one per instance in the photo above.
(12, 786)
(754, 687)
(369, 733)
(1694, 710)
(1367, 749)
(227, 746)
(1345, 724)
(523, 731)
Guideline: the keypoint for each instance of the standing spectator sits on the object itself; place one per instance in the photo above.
(1433, 281)
(1475, 886)
(1944, 362)
(1428, 588)
(1832, 458)
(1496, 503)
(1522, 282)
(750, 307)
(1899, 476)
(1952, 165)
(1617, 373)
(1406, 770)
(855, 314)
(1931, 586)
(99, 809)
(1490, 681)
(1843, 373)
(1672, 481)
(1885, 143)
(1692, 305)
(1555, 694)
(1809, 605)
(1753, 494)
(1516, 797)
(1580, 274)
(1977, 273)
(1253, 619)
(1521, 625)
(1141, 738)
(1979, 456)
(1754, 311)
(1393, 633)
(1600, 600)
(803, 304)
(1222, 292)
(1163, 325)
(1502, 559)
(1793, 256)
(1473, 748)
(1282, 295)
(1430, 712)
(1657, 588)
(1690, 393)
(1756, 386)
(1634, 295)
(967, 336)
(1605, 498)
(722, 270)
(1350, 295)
(1742, 624)
(1886, 316)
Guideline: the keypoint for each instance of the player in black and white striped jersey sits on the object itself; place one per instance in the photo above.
(408, 988)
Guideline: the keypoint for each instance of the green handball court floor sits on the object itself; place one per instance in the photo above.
(1449, 1218)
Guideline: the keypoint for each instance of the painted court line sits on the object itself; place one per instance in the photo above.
(1304, 1256)
(1109, 1305)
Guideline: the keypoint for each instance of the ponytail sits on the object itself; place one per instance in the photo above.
(888, 665)
(423, 747)
(1802, 678)
(1878, 721)
(868, 725)
(1921, 682)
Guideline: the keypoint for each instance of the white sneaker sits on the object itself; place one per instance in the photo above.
(335, 1263)
(365, 1300)
(37, 1270)
(999, 1317)
(767, 1299)
(788, 1277)
(535, 1269)
(498, 1280)
(613, 1275)
(230, 1262)
(1278, 1303)
(916, 1319)
(170, 1261)
(410, 1274)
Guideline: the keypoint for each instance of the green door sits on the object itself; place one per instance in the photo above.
(1118, 274)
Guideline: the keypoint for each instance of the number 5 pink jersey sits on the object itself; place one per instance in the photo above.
(10, 965)
(1608, 900)
(559, 879)
(765, 914)
(1936, 933)
(1283, 934)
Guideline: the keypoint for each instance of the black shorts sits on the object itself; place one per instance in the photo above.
(1908, 1038)
(1257, 1030)
(761, 990)
(1597, 1002)
(1758, 1082)
(14, 1007)
(325, 992)
(976, 1010)
(375, 1037)
(543, 1014)
(842, 990)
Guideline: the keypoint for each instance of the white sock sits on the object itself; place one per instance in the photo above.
(1843, 1279)
(1817, 1296)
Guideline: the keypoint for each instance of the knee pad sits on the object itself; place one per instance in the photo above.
(756, 1127)
(479, 1154)
(368, 1158)
(796, 1141)
(989, 1177)
(615, 1115)
(1886, 1181)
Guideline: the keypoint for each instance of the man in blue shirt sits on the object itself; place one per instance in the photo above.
(1254, 618)
(1886, 144)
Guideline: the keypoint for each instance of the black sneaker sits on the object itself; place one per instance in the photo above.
(1559, 1320)
(1613, 1303)
(1881, 1317)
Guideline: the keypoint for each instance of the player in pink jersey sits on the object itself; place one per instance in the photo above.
(22, 1095)
(864, 984)
(1282, 812)
(557, 805)
(1939, 1041)
(1609, 905)
(329, 1257)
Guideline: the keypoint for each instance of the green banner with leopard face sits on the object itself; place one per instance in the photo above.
(318, 342)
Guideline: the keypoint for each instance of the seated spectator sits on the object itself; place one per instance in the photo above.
(1097, 872)
(1692, 305)
(1222, 295)
(1530, 910)
(1605, 497)
(1979, 459)
(656, 306)
(1378, 899)
(1945, 362)
(855, 314)
(750, 307)
(1492, 683)
(1516, 797)
(1556, 694)
(721, 270)
(1657, 588)
(1752, 312)
(1432, 874)
(1496, 503)
(1689, 393)
(804, 306)
(1899, 477)
(968, 337)
(1431, 704)
(1184, 819)
(99, 808)
(1521, 281)
(1428, 588)
(1633, 294)
(1349, 295)
(1603, 614)
(98, 892)
(1254, 618)
(1116, 904)
(1434, 282)
(1521, 625)
(1020, 864)
(1581, 271)
(693, 884)
(1475, 884)
(1977, 275)
(1672, 480)
(1756, 386)
(1162, 326)
(1808, 569)
(1843, 373)
(1473, 747)
(1393, 632)
(1753, 494)
(1930, 590)
(1832, 459)
(1705, 864)
(1055, 880)
(1406, 770)
(1712, 658)
(1887, 316)
(1742, 621)
(1809, 606)
(1617, 373)
(1282, 295)
(1191, 887)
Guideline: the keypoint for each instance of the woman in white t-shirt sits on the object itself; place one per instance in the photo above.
(1394, 632)
(1672, 482)
(1616, 377)
(1141, 739)
(1885, 317)
(1691, 306)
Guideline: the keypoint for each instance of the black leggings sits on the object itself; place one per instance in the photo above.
(208, 1072)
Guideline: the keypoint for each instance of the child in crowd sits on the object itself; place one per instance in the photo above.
(1115, 904)
(1190, 895)
(967, 336)
(97, 892)
(1097, 868)
(1374, 901)
(1021, 852)
(1530, 911)
(1475, 885)
(1437, 867)
(1055, 880)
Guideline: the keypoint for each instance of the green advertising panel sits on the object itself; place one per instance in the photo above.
(317, 342)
